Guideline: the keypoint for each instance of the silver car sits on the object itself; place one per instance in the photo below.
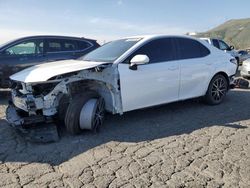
(243, 55)
(245, 69)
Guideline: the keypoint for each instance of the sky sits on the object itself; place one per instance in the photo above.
(107, 20)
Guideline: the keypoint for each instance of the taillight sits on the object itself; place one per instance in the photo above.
(234, 61)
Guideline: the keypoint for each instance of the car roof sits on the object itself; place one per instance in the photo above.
(55, 36)
(159, 36)
(146, 38)
(207, 38)
(45, 36)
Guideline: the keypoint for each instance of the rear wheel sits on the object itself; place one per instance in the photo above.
(217, 90)
(85, 112)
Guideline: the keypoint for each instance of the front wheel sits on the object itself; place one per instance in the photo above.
(85, 112)
(217, 90)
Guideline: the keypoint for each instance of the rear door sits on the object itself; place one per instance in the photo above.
(84, 47)
(60, 49)
(70, 48)
(22, 55)
(196, 67)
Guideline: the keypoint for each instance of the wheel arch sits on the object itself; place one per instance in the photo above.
(103, 89)
(223, 74)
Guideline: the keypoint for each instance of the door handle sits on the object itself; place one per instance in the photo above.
(173, 68)
(210, 63)
(23, 58)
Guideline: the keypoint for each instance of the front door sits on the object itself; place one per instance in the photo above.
(20, 56)
(154, 83)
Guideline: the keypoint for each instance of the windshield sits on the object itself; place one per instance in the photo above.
(111, 51)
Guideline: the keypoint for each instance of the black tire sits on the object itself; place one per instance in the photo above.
(62, 108)
(238, 64)
(74, 110)
(217, 90)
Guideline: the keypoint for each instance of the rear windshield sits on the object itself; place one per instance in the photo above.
(111, 51)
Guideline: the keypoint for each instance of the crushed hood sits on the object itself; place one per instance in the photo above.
(44, 72)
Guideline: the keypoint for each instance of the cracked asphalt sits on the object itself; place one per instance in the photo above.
(185, 144)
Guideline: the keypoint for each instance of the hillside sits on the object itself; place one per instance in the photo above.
(235, 32)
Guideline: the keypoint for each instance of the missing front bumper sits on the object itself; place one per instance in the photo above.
(17, 121)
(32, 128)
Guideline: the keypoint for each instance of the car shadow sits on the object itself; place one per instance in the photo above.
(133, 127)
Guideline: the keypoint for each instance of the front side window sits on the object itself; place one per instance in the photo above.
(159, 50)
(111, 51)
(189, 48)
(223, 45)
(26, 48)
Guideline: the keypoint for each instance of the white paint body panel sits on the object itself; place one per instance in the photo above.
(195, 74)
(150, 85)
(245, 69)
(43, 72)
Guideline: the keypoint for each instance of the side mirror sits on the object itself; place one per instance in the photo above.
(138, 60)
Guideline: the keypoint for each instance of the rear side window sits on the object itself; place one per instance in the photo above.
(69, 45)
(223, 45)
(216, 43)
(62, 45)
(54, 45)
(159, 50)
(189, 48)
(83, 45)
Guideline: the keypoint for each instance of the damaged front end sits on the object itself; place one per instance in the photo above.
(29, 106)
(31, 114)
(38, 104)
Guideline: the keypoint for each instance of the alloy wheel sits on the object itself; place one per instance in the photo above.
(219, 89)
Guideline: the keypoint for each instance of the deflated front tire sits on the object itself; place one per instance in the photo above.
(95, 113)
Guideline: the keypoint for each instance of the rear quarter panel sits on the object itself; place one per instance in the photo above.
(221, 63)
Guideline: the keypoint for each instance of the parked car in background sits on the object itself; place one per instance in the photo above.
(120, 76)
(245, 69)
(222, 45)
(243, 55)
(25, 52)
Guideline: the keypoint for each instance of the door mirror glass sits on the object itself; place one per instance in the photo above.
(231, 47)
(139, 60)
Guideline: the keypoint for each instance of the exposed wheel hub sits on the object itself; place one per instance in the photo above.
(92, 114)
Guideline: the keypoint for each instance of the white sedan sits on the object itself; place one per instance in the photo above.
(245, 69)
(123, 75)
